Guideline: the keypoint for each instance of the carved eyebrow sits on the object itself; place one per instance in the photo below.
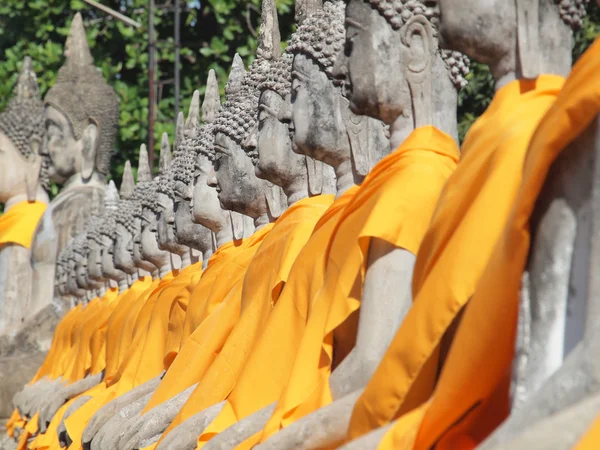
(268, 110)
(300, 75)
(352, 23)
(221, 149)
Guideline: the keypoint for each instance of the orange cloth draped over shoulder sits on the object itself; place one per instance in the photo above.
(468, 221)
(60, 344)
(261, 384)
(139, 290)
(264, 279)
(134, 329)
(395, 203)
(198, 350)
(96, 316)
(121, 322)
(473, 388)
(591, 438)
(18, 224)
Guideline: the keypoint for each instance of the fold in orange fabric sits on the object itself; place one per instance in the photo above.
(198, 350)
(474, 384)
(18, 224)
(94, 319)
(590, 439)
(395, 203)
(264, 279)
(121, 322)
(60, 344)
(469, 219)
(261, 384)
(201, 348)
(134, 328)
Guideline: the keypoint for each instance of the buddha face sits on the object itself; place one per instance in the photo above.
(62, 149)
(374, 64)
(61, 281)
(83, 281)
(14, 170)
(205, 206)
(187, 231)
(237, 187)
(123, 250)
(277, 162)
(485, 30)
(94, 263)
(149, 241)
(108, 266)
(138, 259)
(317, 123)
(72, 287)
(166, 226)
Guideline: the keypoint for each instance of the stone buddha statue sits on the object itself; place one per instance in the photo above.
(197, 237)
(81, 124)
(22, 191)
(524, 58)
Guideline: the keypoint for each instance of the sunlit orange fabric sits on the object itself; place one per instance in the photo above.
(60, 341)
(468, 221)
(144, 361)
(94, 319)
(134, 329)
(18, 224)
(15, 421)
(591, 438)
(31, 429)
(484, 343)
(121, 322)
(177, 315)
(198, 351)
(395, 203)
(261, 384)
(264, 279)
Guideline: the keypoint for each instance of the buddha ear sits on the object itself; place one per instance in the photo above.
(275, 198)
(90, 149)
(528, 38)
(237, 225)
(417, 37)
(357, 132)
(314, 169)
(32, 178)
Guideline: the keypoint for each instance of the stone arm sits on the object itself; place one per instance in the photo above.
(15, 287)
(50, 407)
(185, 435)
(113, 407)
(242, 430)
(325, 428)
(149, 427)
(386, 299)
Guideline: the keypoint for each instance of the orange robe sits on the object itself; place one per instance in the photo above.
(18, 224)
(395, 203)
(591, 438)
(198, 350)
(472, 395)
(261, 384)
(264, 279)
(133, 330)
(141, 288)
(468, 222)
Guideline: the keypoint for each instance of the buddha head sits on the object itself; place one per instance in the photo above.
(106, 234)
(61, 275)
(72, 287)
(392, 66)
(123, 248)
(237, 185)
(21, 135)
(204, 205)
(148, 214)
(511, 36)
(80, 259)
(324, 127)
(187, 231)
(82, 113)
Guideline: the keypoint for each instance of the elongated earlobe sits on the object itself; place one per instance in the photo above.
(90, 149)
(528, 21)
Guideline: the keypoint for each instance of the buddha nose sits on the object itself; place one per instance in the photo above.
(212, 179)
(340, 67)
(251, 141)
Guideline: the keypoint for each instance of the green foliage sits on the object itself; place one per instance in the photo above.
(211, 33)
